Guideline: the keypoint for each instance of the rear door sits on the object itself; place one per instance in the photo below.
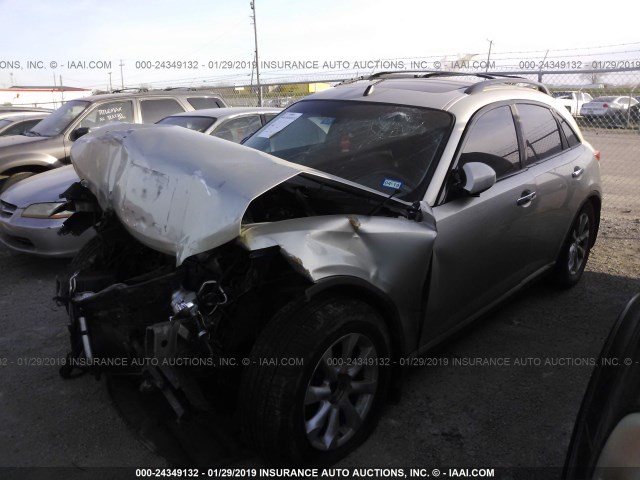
(557, 160)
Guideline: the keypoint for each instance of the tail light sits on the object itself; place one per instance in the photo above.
(597, 154)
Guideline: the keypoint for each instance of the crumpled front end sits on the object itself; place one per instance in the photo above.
(201, 242)
(175, 190)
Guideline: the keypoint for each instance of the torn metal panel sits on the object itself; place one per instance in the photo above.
(175, 190)
(389, 253)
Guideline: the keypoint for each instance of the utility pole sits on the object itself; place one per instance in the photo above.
(110, 84)
(255, 37)
(121, 76)
(489, 55)
(541, 65)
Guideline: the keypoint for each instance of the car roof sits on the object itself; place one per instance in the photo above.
(226, 111)
(22, 115)
(20, 108)
(459, 93)
(159, 93)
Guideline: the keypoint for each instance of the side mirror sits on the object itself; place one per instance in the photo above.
(78, 132)
(477, 177)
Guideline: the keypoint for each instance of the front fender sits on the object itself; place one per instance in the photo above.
(27, 162)
(391, 255)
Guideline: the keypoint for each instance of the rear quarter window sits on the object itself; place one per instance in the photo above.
(569, 134)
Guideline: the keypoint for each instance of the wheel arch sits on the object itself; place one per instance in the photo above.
(596, 201)
(358, 288)
(31, 168)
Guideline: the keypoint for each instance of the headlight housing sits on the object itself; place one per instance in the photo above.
(47, 210)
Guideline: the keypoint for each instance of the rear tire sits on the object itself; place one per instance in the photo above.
(575, 251)
(316, 413)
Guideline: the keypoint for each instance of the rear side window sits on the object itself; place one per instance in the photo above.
(154, 110)
(492, 140)
(200, 103)
(237, 129)
(540, 131)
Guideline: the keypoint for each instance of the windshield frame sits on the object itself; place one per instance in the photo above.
(57, 117)
(416, 191)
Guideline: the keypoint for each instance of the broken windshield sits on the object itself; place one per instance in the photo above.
(389, 148)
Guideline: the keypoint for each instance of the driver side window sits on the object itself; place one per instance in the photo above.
(492, 140)
(120, 111)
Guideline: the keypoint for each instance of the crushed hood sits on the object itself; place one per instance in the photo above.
(175, 190)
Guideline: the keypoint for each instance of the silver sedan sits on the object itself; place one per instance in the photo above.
(31, 212)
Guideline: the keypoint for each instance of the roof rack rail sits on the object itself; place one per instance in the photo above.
(482, 86)
(130, 90)
(434, 73)
(489, 79)
(351, 80)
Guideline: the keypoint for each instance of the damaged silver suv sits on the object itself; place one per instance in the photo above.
(298, 272)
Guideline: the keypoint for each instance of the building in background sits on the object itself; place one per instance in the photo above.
(40, 96)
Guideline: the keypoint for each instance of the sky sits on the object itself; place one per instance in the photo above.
(214, 39)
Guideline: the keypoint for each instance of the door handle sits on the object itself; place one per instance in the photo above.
(526, 197)
(577, 172)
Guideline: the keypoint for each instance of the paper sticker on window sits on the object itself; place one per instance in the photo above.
(278, 124)
(395, 184)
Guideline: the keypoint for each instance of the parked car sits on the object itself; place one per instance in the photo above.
(232, 123)
(48, 144)
(634, 112)
(608, 111)
(31, 212)
(605, 444)
(23, 109)
(572, 100)
(19, 123)
(355, 231)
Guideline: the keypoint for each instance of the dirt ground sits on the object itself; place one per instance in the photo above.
(449, 416)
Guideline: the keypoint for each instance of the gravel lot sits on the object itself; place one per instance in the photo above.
(449, 416)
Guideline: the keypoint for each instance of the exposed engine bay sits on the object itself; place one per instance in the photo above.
(193, 258)
(133, 310)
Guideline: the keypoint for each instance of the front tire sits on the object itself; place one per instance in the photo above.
(575, 251)
(316, 413)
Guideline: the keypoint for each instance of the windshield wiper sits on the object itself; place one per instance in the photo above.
(31, 133)
(384, 202)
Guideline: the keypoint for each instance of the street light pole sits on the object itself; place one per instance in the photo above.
(255, 37)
